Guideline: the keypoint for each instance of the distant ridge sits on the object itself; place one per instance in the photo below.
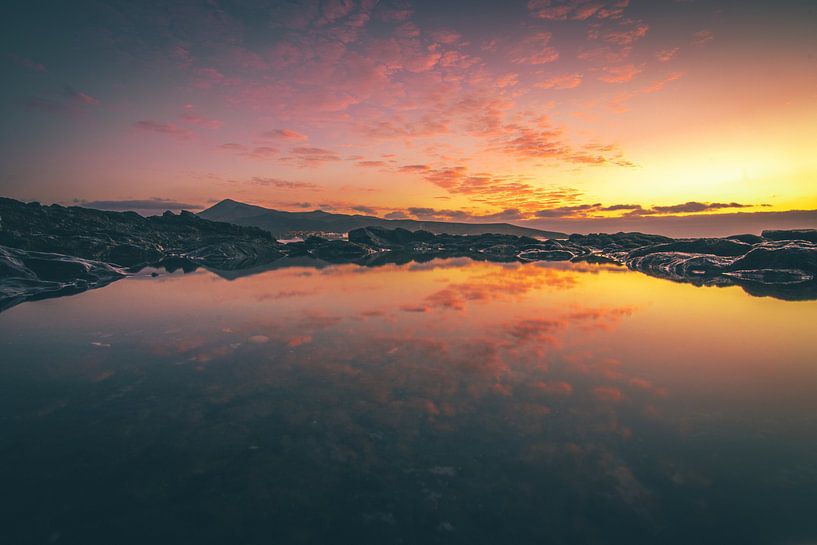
(281, 223)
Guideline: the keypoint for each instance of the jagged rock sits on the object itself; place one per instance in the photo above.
(129, 240)
(617, 241)
(339, 250)
(380, 237)
(785, 254)
(809, 235)
(680, 266)
(712, 246)
(53, 250)
(747, 238)
(26, 276)
(546, 255)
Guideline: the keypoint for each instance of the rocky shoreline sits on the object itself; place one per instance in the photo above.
(49, 251)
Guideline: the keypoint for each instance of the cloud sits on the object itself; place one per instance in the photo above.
(77, 96)
(564, 81)
(581, 10)
(312, 157)
(554, 388)
(154, 203)
(619, 74)
(232, 146)
(69, 101)
(284, 134)
(396, 215)
(695, 207)
(688, 225)
(666, 55)
(435, 214)
(164, 128)
(196, 119)
(261, 152)
(549, 144)
(702, 37)
(281, 184)
(540, 330)
(534, 49)
(371, 164)
(631, 210)
(659, 84)
(608, 393)
(365, 210)
(25, 62)
(624, 37)
(414, 168)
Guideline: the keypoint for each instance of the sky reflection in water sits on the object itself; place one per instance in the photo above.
(446, 402)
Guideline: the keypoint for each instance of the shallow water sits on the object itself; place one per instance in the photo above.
(445, 402)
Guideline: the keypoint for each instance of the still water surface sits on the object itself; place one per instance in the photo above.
(445, 402)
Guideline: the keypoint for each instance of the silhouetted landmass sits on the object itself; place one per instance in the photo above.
(49, 251)
(284, 224)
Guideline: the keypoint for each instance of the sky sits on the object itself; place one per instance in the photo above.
(574, 114)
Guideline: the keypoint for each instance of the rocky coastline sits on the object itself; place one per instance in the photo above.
(50, 251)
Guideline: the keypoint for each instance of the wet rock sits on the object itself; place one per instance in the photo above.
(747, 238)
(28, 276)
(617, 241)
(546, 255)
(380, 237)
(711, 246)
(809, 235)
(680, 266)
(57, 250)
(788, 255)
(129, 240)
(339, 250)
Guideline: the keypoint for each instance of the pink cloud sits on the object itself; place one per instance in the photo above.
(619, 74)
(621, 37)
(608, 393)
(702, 37)
(565, 81)
(189, 116)
(534, 50)
(661, 83)
(285, 134)
(666, 55)
(25, 62)
(560, 10)
(312, 157)
(164, 128)
(78, 96)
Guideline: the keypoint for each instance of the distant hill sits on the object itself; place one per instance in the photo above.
(281, 224)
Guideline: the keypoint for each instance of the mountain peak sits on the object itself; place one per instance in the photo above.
(281, 223)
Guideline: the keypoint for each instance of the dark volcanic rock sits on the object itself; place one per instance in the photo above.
(380, 237)
(789, 255)
(617, 241)
(129, 240)
(26, 276)
(747, 238)
(680, 266)
(339, 250)
(797, 234)
(54, 250)
(712, 246)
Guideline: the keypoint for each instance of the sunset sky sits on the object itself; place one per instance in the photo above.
(544, 112)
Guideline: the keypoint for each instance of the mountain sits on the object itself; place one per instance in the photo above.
(281, 223)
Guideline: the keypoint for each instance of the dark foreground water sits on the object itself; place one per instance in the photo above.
(448, 402)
